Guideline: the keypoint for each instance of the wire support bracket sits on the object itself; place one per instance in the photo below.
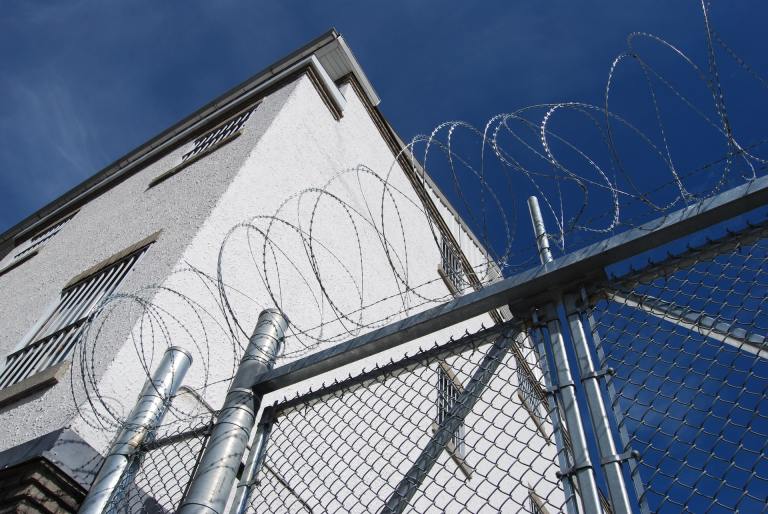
(621, 457)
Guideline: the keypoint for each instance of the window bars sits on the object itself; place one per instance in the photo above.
(529, 394)
(451, 268)
(448, 391)
(41, 239)
(218, 135)
(53, 342)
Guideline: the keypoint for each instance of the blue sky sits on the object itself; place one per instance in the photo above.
(86, 81)
(83, 82)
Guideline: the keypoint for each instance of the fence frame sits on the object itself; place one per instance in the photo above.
(558, 291)
(525, 291)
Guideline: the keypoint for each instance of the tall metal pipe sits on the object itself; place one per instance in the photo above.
(216, 473)
(539, 230)
(617, 487)
(562, 453)
(145, 416)
(566, 387)
(255, 462)
(582, 464)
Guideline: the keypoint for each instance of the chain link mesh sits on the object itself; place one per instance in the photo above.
(162, 468)
(466, 426)
(687, 340)
(348, 447)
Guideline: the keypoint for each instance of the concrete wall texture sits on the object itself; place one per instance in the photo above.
(360, 231)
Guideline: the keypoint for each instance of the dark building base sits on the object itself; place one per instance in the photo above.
(49, 474)
(37, 486)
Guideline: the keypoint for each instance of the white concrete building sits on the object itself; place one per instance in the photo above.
(358, 249)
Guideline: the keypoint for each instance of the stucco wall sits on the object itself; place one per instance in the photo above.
(304, 147)
(115, 220)
(292, 142)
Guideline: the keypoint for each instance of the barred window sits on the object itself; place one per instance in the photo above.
(218, 135)
(529, 393)
(41, 239)
(448, 392)
(53, 342)
(450, 264)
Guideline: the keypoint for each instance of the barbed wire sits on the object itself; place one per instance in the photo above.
(361, 249)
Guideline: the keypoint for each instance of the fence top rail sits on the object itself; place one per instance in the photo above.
(527, 289)
(468, 342)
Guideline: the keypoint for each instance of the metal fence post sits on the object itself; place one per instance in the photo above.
(256, 458)
(610, 460)
(146, 414)
(566, 387)
(553, 411)
(212, 484)
(623, 435)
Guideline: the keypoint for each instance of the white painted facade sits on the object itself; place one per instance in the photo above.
(291, 142)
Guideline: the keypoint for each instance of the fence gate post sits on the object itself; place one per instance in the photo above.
(212, 484)
(610, 460)
(146, 414)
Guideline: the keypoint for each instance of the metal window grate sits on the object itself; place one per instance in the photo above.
(450, 263)
(447, 394)
(218, 134)
(57, 336)
(529, 391)
(42, 238)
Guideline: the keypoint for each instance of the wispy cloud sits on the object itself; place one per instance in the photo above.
(53, 144)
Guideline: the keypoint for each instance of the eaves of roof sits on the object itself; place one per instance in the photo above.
(330, 50)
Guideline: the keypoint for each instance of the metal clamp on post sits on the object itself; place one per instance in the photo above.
(556, 388)
(598, 374)
(621, 457)
(571, 471)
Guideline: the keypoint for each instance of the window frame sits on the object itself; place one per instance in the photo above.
(457, 453)
(31, 337)
(451, 269)
(190, 157)
(523, 372)
(27, 248)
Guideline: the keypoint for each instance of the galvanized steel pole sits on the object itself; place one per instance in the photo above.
(557, 430)
(145, 416)
(255, 461)
(539, 230)
(610, 460)
(582, 464)
(212, 484)
(566, 387)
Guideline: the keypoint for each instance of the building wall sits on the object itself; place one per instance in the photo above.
(115, 220)
(292, 142)
(305, 147)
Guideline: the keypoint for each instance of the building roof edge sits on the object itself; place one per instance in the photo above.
(125, 164)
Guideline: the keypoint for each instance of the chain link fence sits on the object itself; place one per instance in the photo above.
(686, 338)
(642, 393)
(161, 470)
(372, 443)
